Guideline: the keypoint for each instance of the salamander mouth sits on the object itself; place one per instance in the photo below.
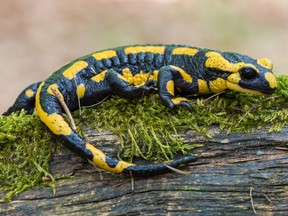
(265, 90)
(249, 89)
(268, 92)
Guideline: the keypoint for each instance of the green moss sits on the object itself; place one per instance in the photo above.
(146, 129)
(26, 148)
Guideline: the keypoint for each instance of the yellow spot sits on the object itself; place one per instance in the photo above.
(270, 77)
(265, 62)
(138, 79)
(99, 77)
(184, 51)
(72, 71)
(139, 49)
(154, 76)
(178, 100)
(215, 60)
(170, 87)
(54, 87)
(203, 87)
(29, 93)
(218, 85)
(127, 76)
(54, 121)
(81, 91)
(187, 77)
(99, 159)
(234, 78)
(104, 54)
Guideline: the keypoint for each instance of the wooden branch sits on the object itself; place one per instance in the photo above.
(237, 174)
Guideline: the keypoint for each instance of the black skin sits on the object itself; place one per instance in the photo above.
(169, 66)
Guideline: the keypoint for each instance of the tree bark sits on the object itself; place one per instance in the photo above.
(236, 174)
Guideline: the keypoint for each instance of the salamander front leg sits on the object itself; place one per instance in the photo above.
(166, 87)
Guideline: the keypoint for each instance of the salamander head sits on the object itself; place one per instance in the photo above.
(238, 72)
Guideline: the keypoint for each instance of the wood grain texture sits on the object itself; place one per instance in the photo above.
(220, 181)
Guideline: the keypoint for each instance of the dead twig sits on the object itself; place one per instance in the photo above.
(65, 107)
(282, 148)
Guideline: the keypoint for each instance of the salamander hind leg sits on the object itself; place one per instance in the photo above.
(26, 100)
(121, 87)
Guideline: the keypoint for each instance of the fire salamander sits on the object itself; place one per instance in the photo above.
(173, 71)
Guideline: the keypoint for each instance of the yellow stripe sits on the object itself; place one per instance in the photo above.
(99, 159)
(218, 85)
(55, 87)
(99, 77)
(154, 76)
(138, 79)
(127, 76)
(270, 77)
(150, 49)
(71, 72)
(54, 121)
(170, 87)
(184, 51)
(203, 87)
(178, 100)
(216, 60)
(187, 77)
(104, 54)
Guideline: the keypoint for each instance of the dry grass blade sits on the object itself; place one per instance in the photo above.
(78, 98)
(251, 200)
(177, 170)
(93, 105)
(99, 170)
(132, 181)
(214, 95)
(253, 107)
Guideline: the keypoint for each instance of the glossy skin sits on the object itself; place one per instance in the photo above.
(133, 71)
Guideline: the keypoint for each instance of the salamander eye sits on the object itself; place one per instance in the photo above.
(248, 73)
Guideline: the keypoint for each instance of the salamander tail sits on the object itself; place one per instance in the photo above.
(118, 166)
(26, 100)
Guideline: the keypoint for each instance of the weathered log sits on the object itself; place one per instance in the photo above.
(236, 174)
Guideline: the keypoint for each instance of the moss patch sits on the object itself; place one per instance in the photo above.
(146, 128)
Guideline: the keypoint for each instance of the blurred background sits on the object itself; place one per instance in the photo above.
(37, 37)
